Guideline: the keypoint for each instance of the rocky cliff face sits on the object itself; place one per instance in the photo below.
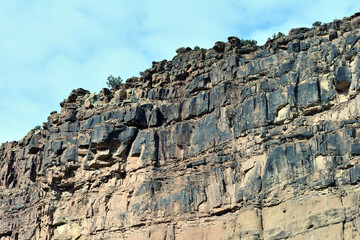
(234, 142)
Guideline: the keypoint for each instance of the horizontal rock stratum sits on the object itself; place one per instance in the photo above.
(233, 142)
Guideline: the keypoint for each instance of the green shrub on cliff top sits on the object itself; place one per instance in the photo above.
(278, 35)
(316, 24)
(250, 42)
(113, 81)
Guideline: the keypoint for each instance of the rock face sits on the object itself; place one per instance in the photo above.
(234, 142)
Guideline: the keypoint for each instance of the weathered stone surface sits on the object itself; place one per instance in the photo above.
(226, 143)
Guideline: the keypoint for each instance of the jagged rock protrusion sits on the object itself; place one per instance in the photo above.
(233, 142)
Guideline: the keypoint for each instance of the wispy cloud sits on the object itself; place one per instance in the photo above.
(48, 48)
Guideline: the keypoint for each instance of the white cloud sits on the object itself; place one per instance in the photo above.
(48, 48)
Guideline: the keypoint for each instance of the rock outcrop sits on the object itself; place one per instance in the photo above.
(234, 142)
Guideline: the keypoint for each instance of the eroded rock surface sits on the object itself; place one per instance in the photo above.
(234, 142)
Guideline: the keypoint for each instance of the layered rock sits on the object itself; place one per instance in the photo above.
(234, 142)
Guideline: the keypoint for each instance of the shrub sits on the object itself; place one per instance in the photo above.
(278, 35)
(113, 81)
(196, 48)
(250, 42)
(38, 127)
(316, 24)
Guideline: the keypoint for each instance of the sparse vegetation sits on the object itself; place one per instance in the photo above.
(250, 42)
(316, 24)
(113, 81)
(38, 127)
(196, 48)
(278, 35)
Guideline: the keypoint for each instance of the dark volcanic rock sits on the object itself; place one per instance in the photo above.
(233, 142)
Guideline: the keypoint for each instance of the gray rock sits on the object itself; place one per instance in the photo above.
(219, 46)
(90, 123)
(342, 78)
(195, 106)
(135, 117)
(308, 93)
(35, 144)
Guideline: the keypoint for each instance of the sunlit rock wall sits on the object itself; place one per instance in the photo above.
(234, 142)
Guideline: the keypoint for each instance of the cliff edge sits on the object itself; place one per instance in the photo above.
(233, 142)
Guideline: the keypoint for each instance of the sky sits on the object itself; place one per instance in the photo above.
(48, 48)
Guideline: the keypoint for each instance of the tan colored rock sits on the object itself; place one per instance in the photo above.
(233, 142)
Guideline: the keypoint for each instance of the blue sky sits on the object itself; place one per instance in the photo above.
(48, 48)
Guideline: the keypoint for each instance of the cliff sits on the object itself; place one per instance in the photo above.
(233, 142)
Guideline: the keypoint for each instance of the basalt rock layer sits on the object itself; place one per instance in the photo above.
(233, 142)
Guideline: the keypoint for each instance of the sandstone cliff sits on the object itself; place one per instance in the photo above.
(234, 142)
